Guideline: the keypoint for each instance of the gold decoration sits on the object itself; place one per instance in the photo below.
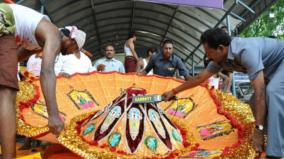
(28, 130)
(70, 139)
(243, 115)
(25, 97)
(26, 92)
(239, 113)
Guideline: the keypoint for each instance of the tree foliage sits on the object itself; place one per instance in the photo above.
(270, 23)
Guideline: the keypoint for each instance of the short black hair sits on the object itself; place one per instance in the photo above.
(167, 41)
(131, 34)
(65, 32)
(150, 50)
(224, 27)
(215, 37)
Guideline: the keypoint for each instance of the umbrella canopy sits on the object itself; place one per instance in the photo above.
(102, 121)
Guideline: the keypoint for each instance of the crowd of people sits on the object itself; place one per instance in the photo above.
(58, 52)
(165, 63)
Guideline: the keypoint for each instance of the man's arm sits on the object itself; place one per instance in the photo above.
(226, 81)
(182, 70)
(99, 65)
(194, 81)
(48, 35)
(260, 106)
(58, 64)
(140, 65)
(23, 54)
(260, 110)
(148, 68)
(190, 83)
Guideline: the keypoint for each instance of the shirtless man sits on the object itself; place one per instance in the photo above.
(24, 31)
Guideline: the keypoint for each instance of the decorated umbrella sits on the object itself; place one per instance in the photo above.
(103, 121)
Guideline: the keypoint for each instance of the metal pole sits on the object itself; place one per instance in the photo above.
(234, 84)
(228, 20)
(96, 26)
(132, 16)
(169, 25)
(244, 5)
(42, 9)
(192, 65)
(219, 22)
(235, 15)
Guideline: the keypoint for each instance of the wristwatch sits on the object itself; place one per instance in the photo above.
(259, 127)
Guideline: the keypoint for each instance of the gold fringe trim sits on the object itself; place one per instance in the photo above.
(27, 93)
(70, 139)
(242, 114)
(230, 105)
(28, 130)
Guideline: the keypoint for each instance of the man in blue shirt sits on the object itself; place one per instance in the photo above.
(166, 63)
(263, 60)
(109, 63)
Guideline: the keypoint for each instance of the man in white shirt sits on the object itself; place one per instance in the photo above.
(109, 63)
(77, 62)
(34, 64)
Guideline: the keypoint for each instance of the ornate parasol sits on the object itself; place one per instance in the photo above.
(102, 121)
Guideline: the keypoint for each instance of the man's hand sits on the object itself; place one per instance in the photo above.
(66, 75)
(168, 95)
(55, 124)
(137, 59)
(101, 68)
(141, 73)
(258, 140)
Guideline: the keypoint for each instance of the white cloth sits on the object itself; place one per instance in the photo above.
(70, 64)
(26, 21)
(34, 65)
(214, 81)
(110, 65)
(127, 50)
(145, 63)
(78, 35)
(18, 76)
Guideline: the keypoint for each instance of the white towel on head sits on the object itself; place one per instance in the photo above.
(78, 35)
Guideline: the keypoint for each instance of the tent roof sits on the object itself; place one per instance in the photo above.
(110, 21)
